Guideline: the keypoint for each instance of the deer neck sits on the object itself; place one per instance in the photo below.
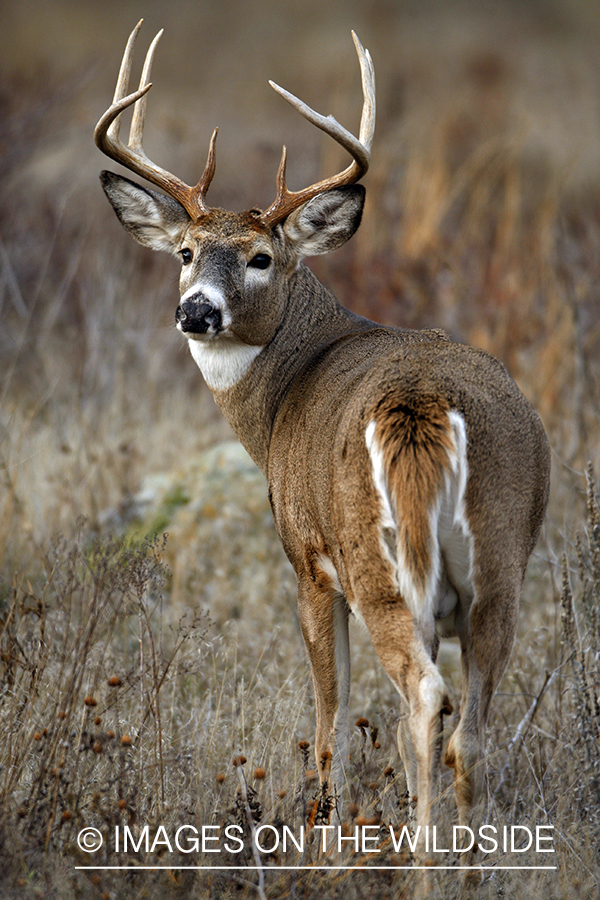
(313, 318)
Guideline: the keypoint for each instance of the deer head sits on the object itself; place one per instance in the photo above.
(234, 265)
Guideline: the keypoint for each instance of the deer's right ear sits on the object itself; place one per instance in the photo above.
(153, 219)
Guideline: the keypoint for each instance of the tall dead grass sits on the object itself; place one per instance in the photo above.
(117, 717)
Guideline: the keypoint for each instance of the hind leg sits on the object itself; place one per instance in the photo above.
(407, 750)
(486, 644)
(406, 656)
(409, 759)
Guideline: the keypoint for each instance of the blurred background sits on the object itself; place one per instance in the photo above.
(482, 216)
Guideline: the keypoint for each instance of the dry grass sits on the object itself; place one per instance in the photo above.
(483, 217)
(114, 716)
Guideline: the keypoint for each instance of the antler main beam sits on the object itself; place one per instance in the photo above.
(359, 148)
(131, 155)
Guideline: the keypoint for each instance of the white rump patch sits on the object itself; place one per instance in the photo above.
(379, 477)
(451, 542)
(454, 533)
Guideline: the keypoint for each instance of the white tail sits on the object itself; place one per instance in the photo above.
(408, 476)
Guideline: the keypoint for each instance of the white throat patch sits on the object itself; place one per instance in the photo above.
(222, 360)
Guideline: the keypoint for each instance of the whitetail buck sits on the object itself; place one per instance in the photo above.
(408, 476)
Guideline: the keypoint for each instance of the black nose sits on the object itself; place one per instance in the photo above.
(198, 316)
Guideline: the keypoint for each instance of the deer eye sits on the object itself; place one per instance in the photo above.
(186, 256)
(260, 261)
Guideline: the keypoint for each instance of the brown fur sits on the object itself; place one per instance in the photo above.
(412, 431)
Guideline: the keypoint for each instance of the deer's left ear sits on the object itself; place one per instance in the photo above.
(325, 222)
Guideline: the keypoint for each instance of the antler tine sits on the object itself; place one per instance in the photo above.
(209, 169)
(132, 156)
(359, 148)
(367, 74)
(123, 79)
(139, 110)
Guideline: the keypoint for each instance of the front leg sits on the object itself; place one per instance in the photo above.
(324, 621)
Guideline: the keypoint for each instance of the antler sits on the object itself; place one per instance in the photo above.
(132, 156)
(359, 148)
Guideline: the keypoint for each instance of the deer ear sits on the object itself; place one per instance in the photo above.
(325, 222)
(153, 219)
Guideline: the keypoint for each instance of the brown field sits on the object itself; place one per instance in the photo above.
(483, 217)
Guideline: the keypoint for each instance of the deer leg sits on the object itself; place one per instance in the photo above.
(407, 750)
(486, 644)
(406, 656)
(324, 622)
(409, 759)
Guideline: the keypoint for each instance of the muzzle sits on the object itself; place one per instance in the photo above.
(198, 316)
